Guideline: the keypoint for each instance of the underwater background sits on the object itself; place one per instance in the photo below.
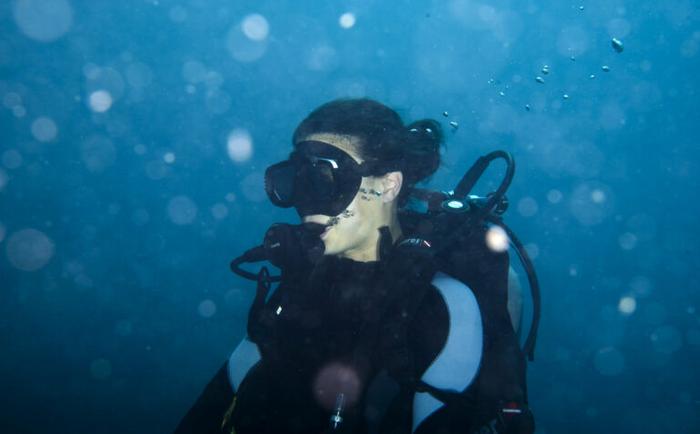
(134, 136)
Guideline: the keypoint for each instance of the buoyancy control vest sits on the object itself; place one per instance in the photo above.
(448, 235)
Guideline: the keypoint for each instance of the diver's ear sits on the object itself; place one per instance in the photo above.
(391, 185)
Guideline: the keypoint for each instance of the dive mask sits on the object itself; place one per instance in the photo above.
(318, 178)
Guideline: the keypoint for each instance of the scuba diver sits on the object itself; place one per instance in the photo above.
(391, 314)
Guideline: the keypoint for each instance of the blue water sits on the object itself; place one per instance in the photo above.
(134, 135)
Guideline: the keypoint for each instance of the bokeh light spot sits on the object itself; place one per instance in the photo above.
(590, 205)
(527, 207)
(12, 159)
(43, 20)
(182, 210)
(533, 250)
(240, 145)
(627, 241)
(29, 249)
(598, 196)
(100, 101)
(641, 286)
(334, 379)
(347, 20)
(11, 100)
(207, 308)
(242, 48)
(627, 305)
(554, 196)
(44, 129)
(255, 27)
(219, 211)
(497, 239)
(140, 149)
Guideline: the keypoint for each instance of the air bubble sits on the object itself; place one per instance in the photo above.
(617, 45)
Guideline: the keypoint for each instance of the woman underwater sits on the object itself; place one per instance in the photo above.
(372, 335)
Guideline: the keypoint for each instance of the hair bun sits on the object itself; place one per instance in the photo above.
(422, 152)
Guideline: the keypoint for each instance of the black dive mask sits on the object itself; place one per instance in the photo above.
(318, 178)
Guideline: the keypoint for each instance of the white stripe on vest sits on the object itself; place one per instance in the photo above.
(242, 359)
(457, 364)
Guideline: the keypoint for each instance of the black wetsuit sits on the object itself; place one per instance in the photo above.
(319, 319)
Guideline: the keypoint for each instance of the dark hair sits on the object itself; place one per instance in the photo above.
(385, 141)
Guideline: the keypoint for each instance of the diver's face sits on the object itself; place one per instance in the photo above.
(356, 228)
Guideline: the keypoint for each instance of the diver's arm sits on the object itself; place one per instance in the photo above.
(207, 413)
